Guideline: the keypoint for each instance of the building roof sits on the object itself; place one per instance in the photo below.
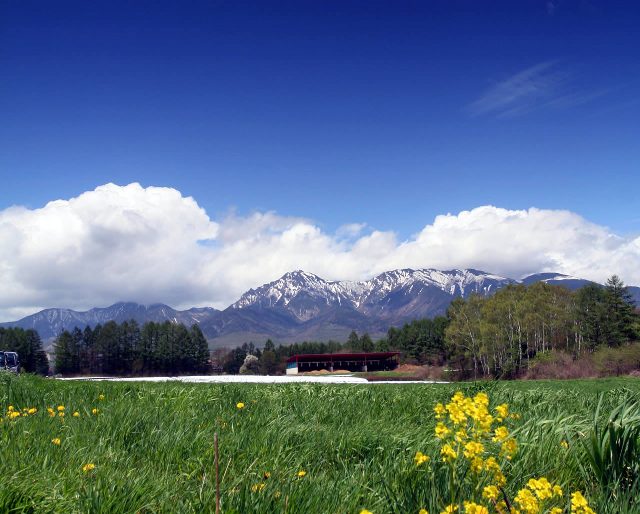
(333, 357)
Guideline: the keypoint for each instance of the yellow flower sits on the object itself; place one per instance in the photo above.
(527, 501)
(365, 511)
(76, 414)
(475, 508)
(501, 433)
(240, 405)
(442, 431)
(51, 412)
(541, 487)
(481, 399)
(579, 504)
(556, 510)
(301, 473)
(564, 444)
(420, 458)
(60, 408)
(472, 449)
(56, 441)
(448, 453)
(88, 467)
(450, 509)
(266, 475)
(491, 492)
(509, 448)
(61, 414)
(500, 479)
(256, 488)
(461, 435)
(456, 414)
(440, 410)
(503, 411)
(101, 397)
(477, 464)
(32, 410)
(423, 511)
(95, 411)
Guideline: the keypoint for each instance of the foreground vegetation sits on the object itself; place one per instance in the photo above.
(141, 447)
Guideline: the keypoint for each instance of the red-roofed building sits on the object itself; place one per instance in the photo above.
(370, 361)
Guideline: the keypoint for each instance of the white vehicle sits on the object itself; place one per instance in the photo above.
(9, 361)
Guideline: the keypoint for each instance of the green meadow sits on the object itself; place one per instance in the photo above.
(302, 448)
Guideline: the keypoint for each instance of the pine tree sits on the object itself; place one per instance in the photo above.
(619, 317)
(64, 351)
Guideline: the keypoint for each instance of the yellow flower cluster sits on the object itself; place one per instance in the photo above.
(13, 413)
(579, 504)
(420, 458)
(468, 428)
(476, 438)
(533, 498)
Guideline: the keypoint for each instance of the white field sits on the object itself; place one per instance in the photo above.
(259, 379)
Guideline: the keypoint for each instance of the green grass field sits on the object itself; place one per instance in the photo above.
(152, 444)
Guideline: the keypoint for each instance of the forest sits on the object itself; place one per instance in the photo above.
(128, 349)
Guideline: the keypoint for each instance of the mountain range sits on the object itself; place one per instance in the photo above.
(303, 306)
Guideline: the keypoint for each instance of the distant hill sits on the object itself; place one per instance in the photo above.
(303, 306)
(50, 322)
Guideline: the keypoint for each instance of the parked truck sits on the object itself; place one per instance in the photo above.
(9, 361)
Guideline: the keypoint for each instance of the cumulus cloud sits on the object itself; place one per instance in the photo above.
(155, 245)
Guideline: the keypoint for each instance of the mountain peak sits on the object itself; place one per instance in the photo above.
(301, 275)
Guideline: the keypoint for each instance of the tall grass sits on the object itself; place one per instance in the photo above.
(152, 444)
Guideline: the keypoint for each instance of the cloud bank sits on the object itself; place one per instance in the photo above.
(155, 245)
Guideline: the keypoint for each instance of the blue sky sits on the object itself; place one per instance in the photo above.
(333, 137)
(386, 113)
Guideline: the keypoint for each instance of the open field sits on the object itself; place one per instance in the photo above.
(152, 444)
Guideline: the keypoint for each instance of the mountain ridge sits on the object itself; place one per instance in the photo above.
(301, 305)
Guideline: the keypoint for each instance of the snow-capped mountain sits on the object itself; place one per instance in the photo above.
(404, 292)
(303, 306)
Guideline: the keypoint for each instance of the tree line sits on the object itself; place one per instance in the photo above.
(128, 349)
(501, 334)
(28, 345)
(420, 341)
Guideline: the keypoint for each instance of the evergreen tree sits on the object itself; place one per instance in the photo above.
(353, 341)
(619, 307)
(200, 349)
(268, 364)
(365, 343)
(65, 354)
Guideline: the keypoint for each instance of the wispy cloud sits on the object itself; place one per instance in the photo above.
(546, 84)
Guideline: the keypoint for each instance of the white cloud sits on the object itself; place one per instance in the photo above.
(154, 245)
